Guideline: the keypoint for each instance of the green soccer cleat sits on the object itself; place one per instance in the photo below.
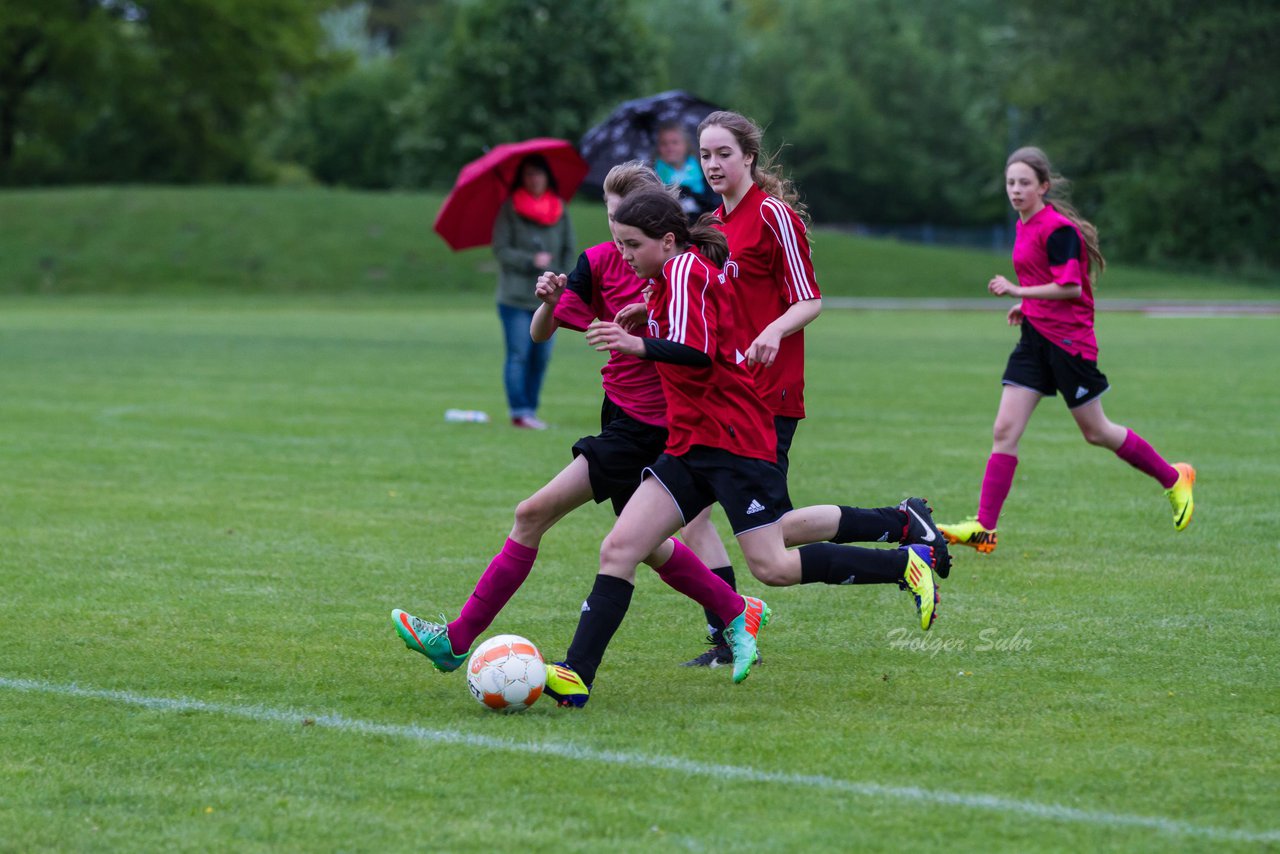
(742, 633)
(970, 533)
(566, 687)
(1180, 496)
(918, 578)
(430, 639)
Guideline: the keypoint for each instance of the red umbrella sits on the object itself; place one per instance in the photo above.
(466, 218)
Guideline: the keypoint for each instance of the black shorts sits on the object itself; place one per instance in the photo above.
(617, 456)
(785, 427)
(1038, 364)
(752, 492)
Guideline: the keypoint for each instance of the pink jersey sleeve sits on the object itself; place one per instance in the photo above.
(793, 246)
(573, 313)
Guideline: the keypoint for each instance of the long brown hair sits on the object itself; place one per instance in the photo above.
(766, 172)
(657, 214)
(1056, 195)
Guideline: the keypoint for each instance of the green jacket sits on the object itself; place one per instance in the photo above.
(516, 240)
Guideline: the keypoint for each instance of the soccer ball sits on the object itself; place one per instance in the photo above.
(506, 673)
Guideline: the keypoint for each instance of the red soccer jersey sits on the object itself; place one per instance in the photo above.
(630, 382)
(714, 406)
(769, 269)
(1044, 254)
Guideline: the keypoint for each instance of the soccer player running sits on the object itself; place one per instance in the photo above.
(721, 445)
(1053, 253)
(776, 295)
(606, 466)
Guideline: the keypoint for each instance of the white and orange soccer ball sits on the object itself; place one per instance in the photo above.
(506, 673)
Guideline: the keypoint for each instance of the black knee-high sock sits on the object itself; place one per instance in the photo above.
(602, 613)
(715, 625)
(870, 525)
(828, 563)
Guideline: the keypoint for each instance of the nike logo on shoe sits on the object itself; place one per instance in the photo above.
(928, 536)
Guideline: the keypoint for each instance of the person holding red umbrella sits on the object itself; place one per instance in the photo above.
(533, 233)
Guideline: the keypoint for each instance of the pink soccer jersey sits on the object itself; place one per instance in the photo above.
(1039, 258)
(715, 406)
(769, 269)
(630, 382)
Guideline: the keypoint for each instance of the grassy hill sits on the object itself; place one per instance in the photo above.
(136, 240)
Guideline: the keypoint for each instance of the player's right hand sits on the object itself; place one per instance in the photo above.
(550, 286)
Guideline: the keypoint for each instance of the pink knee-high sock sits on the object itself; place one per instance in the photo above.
(995, 488)
(684, 572)
(1136, 452)
(503, 577)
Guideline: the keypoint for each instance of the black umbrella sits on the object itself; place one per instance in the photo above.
(631, 131)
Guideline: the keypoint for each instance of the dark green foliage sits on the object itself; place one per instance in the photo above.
(890, 111)
(1166, 113)
(513, 69)
(143, 91)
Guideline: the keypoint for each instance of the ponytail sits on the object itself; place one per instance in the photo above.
(710, 240)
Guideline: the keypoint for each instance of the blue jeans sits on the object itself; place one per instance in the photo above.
(526, 363)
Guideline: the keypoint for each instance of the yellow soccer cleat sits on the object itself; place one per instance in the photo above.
(970, 533)
(918, 578)
(1180, 496)
(566, 687)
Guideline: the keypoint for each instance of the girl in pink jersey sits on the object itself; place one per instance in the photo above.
(722, 443)
(633, 433)
(776, 296)
(1052, 255)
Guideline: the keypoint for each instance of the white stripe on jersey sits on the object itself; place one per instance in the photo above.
(678, 302)
(785, 232)
(706, 283)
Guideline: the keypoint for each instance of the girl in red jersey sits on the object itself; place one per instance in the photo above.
(1058, 351)
(776, 295)
(606, 466)
(722, 443)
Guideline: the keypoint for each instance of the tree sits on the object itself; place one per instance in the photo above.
(1166, 115)
(891, 112)
(513, 69)
(57, 41)
(145, 90)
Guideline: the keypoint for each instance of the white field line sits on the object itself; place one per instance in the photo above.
(990, 803)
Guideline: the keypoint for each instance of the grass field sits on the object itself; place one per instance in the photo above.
(211, 505)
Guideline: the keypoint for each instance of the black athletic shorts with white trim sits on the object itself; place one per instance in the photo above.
(1038, 364)
(752, 492)
(785, 427)
(617, 456)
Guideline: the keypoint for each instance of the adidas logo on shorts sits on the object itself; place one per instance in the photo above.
(754, 507)
(1081, 391)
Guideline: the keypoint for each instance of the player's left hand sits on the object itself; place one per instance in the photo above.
(632, 317)
(764, 350)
